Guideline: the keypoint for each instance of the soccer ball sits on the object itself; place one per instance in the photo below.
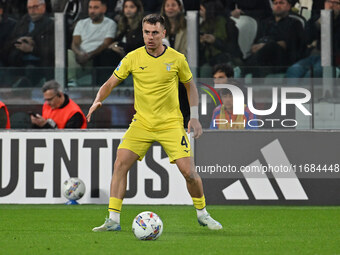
(147, 226)
(73, 189)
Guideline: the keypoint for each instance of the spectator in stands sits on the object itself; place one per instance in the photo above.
(223, 117)
(224, 73)
(91, 37)
(279, 42)
(4, 116)
(175, 24)
(257, 9)
(129, 35)
(17, 8)
(303, 67)
(59, 111)
(213, 36)
(75, 10)
(31, 43)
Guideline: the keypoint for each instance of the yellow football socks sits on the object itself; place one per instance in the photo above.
(115, 205)
(199, 203)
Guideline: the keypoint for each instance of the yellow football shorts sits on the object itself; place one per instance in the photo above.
(174, 141)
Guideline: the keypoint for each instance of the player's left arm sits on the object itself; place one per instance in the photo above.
(193, 101)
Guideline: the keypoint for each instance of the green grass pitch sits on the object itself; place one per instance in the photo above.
(62, 229)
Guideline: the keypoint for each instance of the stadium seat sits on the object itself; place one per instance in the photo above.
(299, 18)
(247, 27)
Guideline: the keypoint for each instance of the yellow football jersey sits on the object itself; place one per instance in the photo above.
(156, 86)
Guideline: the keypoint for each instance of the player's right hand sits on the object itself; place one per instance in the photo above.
(93, 107)
(196, 125)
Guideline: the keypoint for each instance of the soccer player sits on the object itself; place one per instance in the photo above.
(156, 70)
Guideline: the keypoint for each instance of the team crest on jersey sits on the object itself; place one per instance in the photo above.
(168, 66)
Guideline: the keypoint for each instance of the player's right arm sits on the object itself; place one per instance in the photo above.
(103, 93)
(121, 72)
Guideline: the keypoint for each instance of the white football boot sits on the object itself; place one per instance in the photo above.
(109, 225)
(207, 220)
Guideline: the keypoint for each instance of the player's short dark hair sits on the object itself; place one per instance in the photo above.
(52, 84)
(224, 68)
(153, 19)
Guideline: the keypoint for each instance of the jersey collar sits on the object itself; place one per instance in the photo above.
(166, 47)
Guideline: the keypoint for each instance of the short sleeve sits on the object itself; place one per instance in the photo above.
(123, 69)
(184, 72)
(78, 28)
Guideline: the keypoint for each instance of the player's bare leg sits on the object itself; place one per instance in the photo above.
(195, 188)
(194, 182)
(124, 161)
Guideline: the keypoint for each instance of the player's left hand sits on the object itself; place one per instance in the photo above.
(196, 125)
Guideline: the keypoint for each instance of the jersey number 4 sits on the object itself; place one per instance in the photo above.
(184, 142)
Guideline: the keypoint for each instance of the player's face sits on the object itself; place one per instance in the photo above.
(220, 78)
(35, 9)
(130, 9)
(171, 8)
(96, 10)
(153, 35)
(227, 101)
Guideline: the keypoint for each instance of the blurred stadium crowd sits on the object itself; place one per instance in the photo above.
(254, 37)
